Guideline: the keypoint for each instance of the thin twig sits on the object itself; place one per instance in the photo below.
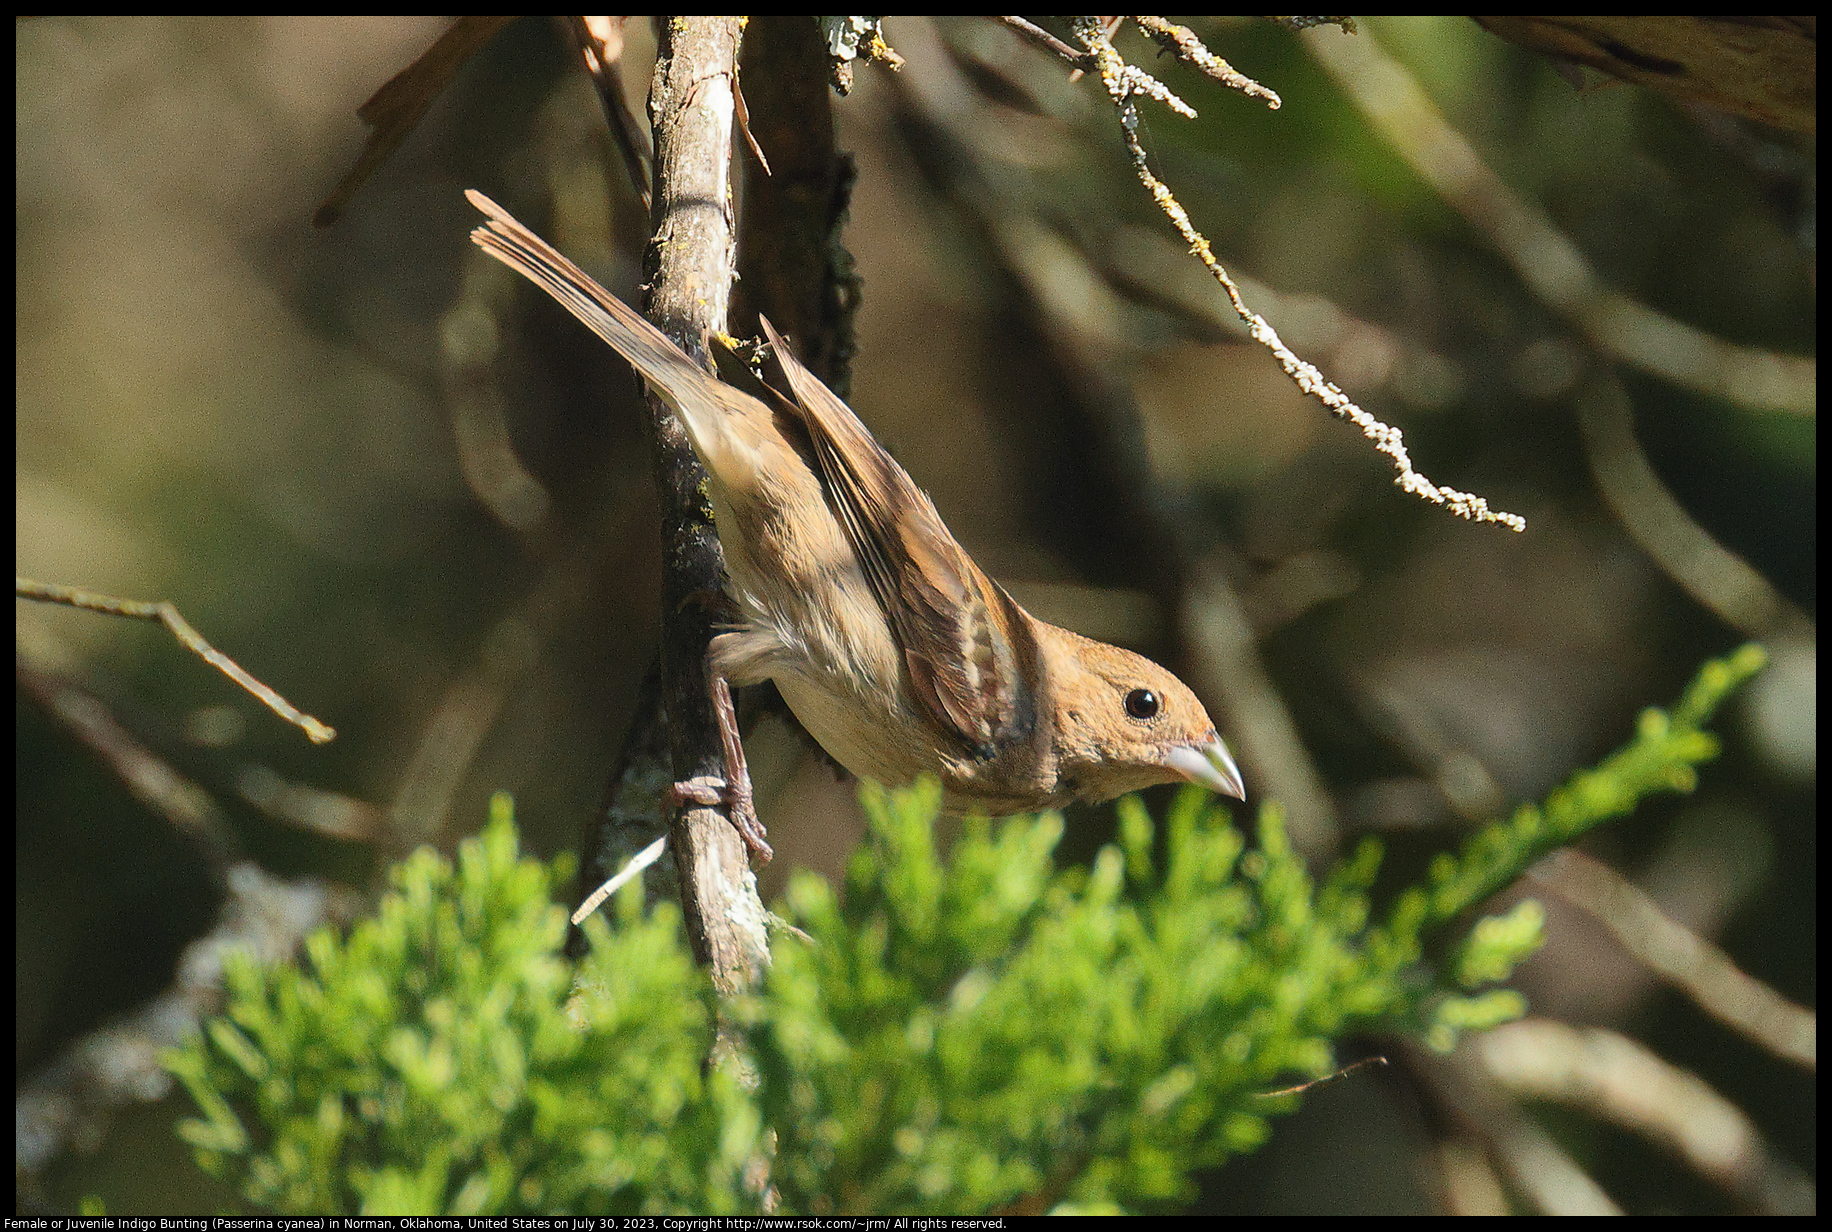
(641, 860)
(599, 41)
(164, 613)
(1182, 42)
(393, 112)
(184, 805)
(1076, 59)
(1123, 82)
(744, 124)
(1344, 1072)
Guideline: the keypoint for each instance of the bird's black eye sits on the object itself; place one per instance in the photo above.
(1142, 704)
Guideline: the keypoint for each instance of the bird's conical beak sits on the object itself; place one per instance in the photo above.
(1209, 764)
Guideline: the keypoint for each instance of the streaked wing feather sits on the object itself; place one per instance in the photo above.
(961, 662)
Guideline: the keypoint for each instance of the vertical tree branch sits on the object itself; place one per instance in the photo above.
(689, 265)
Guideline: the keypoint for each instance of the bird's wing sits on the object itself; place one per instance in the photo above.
(964, 640)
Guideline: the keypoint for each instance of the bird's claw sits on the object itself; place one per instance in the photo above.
(711, 791)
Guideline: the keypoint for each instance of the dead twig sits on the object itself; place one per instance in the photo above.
(164, 613)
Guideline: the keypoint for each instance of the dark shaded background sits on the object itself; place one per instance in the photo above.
(220, 406)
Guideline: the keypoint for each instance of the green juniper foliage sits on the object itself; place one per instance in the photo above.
(983, 1033)
(430, 1063)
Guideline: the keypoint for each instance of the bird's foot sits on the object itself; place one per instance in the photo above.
(711, 791)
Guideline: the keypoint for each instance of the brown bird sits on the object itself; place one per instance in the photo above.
(889, 644)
